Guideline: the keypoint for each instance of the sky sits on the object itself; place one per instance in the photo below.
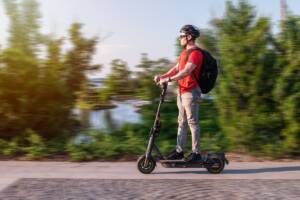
(128, 28)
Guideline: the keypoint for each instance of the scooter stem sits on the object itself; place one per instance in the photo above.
(164, 90)
(162, 98)
(156, 126)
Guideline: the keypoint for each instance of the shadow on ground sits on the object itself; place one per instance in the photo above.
(240, 171)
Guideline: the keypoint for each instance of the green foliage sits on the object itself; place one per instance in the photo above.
(35, 93)
(13, 148)
(3, 145)
(287, 91)
(247, 110)
(208, 40)
(78, 59)
(81, 150)
(101, 145)
(122, 84)
(36, 148)
(255, 106)
(24, 26)
(147, 69)
(118, 83)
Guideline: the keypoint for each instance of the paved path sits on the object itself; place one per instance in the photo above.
(105, 177)
(119, 189)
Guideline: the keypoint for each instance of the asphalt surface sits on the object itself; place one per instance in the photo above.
(121, 180)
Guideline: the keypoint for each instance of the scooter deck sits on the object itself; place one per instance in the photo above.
(172, 161)
(181, 164)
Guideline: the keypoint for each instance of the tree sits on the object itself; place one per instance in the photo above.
(119, 82)
(78, 59)
(39, 93)
(24, 26)
(145, 86)
(287, 90)
(208, 40)
(247, 110)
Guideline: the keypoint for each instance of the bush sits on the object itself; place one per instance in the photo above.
(37, 148)
(101, 145)
(80, 148)
(12, 148)
(3, 145)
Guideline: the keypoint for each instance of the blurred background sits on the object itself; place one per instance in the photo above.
(76, 77)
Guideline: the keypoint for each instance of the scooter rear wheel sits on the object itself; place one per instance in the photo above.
(215, 165)
(145, 166)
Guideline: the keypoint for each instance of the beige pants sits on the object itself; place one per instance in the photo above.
(188, 107)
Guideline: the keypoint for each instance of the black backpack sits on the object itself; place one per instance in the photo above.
(209, 70)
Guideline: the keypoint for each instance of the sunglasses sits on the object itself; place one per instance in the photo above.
(182, 36)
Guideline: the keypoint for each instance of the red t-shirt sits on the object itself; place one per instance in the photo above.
(188, 83)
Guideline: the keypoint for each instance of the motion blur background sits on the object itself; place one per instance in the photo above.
(76, 77)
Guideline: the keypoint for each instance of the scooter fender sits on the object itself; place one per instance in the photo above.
(221, 155)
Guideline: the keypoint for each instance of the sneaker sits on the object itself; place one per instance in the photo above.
(174, 155)
(193, 157)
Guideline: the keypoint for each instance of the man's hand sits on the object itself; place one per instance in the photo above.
(163, 80)
(156, 78)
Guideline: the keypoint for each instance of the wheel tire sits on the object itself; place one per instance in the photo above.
(215, 165)
(145, 169)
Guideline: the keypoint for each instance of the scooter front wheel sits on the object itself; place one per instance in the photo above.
(145, 166)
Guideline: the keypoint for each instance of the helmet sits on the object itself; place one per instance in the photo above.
(190, 30)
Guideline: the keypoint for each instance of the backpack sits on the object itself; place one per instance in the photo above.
(209, 70)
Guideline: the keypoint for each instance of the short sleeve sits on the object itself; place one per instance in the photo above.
(196, 58)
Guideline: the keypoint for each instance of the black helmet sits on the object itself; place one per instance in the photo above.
(190, 30)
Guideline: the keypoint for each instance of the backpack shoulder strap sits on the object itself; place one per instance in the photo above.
(188, 53)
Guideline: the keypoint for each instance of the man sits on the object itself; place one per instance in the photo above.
(186, 73)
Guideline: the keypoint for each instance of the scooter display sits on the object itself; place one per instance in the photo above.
(213, 162)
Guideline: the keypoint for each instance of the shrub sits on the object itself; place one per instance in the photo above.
(12, 148)
(37, 148)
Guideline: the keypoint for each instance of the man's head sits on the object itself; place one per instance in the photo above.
(188, 34)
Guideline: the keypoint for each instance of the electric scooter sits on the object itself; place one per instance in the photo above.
(213, 162)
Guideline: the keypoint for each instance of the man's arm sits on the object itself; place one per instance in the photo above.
(171, 72)
(174, 70)
(189, 67)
